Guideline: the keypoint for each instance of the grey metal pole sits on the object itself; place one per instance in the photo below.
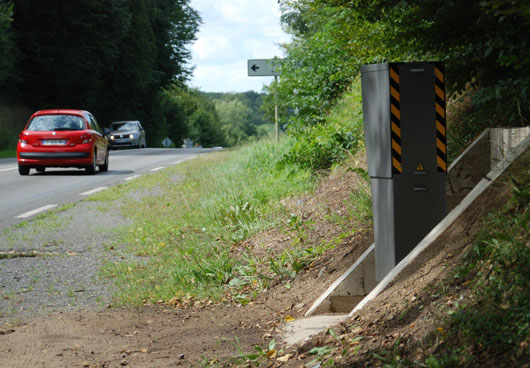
(276, 108)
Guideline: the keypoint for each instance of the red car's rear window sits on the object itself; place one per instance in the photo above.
(56, 123)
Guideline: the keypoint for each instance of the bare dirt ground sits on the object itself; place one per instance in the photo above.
(165, 336)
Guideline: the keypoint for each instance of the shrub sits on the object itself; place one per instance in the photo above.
(320, 146)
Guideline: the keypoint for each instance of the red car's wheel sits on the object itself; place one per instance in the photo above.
(23, 170)
(105, 166)
(91, 170)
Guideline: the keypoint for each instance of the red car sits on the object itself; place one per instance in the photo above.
(62, 138)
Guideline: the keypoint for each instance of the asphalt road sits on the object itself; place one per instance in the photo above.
(22, 197)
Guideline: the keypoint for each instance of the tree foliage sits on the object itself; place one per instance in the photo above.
(330, 42)
(112, 57)
(242, 116)
(234, 117)
(253, 100)
(189, 114)
(120, 59)
(484, 44)
(7, 49)
(481, 42)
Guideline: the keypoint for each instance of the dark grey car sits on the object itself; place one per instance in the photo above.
(127, 133)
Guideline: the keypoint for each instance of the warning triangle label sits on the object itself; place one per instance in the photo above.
(420, 167)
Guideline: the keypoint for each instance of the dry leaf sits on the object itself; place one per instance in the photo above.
(266, 335)
(289, 318)
(284, 358)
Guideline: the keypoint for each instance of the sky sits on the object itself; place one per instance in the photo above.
(232, 32)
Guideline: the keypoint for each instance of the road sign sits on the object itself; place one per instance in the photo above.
(267, 68)
(166, 142)
(263, 67)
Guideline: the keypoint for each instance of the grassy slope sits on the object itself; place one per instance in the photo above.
(179, 245)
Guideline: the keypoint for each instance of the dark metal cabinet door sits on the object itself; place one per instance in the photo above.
(419, 204)
(418, 117)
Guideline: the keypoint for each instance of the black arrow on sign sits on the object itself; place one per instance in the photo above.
(254, 67)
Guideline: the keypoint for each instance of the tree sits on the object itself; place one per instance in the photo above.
(235, 120)
(251, 99)
(64, 49)
(330, 42)
(7, 47)
(174, 24)
(484, 44)
(112, 57)
(189, 114)
(133, 77)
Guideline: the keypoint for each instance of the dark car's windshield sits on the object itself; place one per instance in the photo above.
(56, 122)
(123, 126)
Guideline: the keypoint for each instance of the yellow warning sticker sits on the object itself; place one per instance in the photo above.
(420, 167)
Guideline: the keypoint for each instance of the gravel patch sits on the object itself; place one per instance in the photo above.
(52, 263)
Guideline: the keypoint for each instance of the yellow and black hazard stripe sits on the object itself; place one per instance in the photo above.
(441, 140)
(395, 119)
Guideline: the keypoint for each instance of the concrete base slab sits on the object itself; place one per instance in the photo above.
(345, 284)
(301, 329)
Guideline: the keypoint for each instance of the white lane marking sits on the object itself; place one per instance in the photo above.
(9, 168)
(158, 168)
(35, 211)
(95, 190)
(131, 177)
(177, 162)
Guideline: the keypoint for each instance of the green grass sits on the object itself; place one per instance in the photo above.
(182, 234)
(12, 153)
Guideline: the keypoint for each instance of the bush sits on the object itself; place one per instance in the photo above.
(506, 104)
(320, 146)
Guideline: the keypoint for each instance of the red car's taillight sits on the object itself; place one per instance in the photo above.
(85, 138)
(81, 139)
(22, 138)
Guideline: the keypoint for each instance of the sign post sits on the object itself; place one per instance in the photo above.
(268, 68)
(276, 109)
